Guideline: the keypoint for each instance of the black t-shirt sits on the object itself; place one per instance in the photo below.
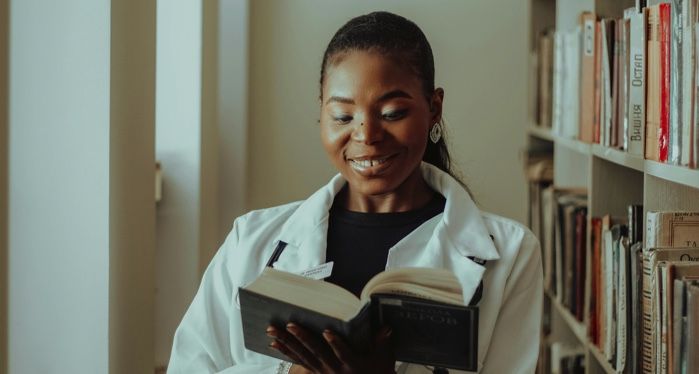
(358, 243)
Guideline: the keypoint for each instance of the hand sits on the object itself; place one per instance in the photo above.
(331, 354)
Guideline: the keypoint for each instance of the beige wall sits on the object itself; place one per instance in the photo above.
(480, 49)
(131, 181)
(81, 199)
(4, 27)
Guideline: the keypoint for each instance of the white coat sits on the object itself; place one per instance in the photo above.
(210, 340)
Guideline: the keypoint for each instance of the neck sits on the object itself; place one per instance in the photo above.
(413, 193)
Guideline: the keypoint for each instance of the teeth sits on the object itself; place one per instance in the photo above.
(368, 163)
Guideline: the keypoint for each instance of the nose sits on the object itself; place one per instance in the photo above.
(368, 131)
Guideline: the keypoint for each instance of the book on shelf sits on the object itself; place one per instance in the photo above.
(587, 81)
(569, 215)
(690, 351)
(423, 306)
(545, 76)
(628, 83)
(672, 229)
(658, 98)
(637, 84)
(656, 284)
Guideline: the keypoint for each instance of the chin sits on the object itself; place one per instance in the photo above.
(373, 187)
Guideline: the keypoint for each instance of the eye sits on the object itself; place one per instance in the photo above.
(394, 115)
(342, 119)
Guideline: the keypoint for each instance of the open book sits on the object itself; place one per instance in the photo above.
(423, 306)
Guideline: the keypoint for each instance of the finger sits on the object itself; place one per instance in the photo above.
(314, 345)
(339, 347)
(279, 346)
(295, 348)
(382, 342)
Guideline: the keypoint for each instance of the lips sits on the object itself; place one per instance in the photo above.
(371, 165)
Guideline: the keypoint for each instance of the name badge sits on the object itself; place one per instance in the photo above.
(318, 272)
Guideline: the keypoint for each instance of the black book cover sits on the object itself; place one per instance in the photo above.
(424, 332)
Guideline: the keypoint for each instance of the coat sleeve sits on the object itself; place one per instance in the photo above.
(202, 342)
(514, 346)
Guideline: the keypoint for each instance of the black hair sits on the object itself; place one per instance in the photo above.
(397, 37)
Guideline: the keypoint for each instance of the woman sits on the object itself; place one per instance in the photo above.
(395, 203)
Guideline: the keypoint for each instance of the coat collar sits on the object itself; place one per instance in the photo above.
(443, 241)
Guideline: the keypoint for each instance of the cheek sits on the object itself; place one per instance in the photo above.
(334, 139)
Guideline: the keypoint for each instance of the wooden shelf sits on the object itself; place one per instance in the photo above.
(600, 358)
(677, 174)
(540, 133)
(672, 173)
(619, 157)
(579, 329)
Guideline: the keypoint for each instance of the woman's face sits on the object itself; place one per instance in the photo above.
(375, 121)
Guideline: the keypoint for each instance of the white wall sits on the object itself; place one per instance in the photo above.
(233, 111)
(480, 50)
(4, 28)
(59, 186)
(187, 147)
(81, 210)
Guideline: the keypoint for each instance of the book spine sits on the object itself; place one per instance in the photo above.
(616, 85)
(636, 299)
(676, 102)
(587, 84)
(637, 87)
(665, 81)
(598, 83)
(694, 151)
(659, 317)
(624, 100)
(677, 315)
(557, 82)
(688, 80)
(622, 310)
(607, 107)
(609, 295)
(652, 228)
(653, 83)
(646, 310)
(692, 346)
(669, 303)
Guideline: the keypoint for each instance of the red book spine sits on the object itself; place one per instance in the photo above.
(664, 81)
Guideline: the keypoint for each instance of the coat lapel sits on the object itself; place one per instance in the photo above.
(445, 241)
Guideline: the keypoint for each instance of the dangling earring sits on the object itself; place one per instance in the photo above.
(436, 132)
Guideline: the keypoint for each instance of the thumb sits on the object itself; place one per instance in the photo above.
(383, 339)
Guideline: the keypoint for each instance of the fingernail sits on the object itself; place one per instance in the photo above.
(327, 335)
(292, 328)
(274, 345)
(271, 331)
(387, 332)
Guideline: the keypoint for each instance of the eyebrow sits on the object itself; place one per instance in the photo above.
(387, 96)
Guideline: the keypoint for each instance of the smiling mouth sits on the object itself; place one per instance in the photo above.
(366, 163)
(371, 166)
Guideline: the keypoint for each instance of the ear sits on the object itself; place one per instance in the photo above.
(436, 105)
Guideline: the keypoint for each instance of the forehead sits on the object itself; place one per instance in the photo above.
(368, 74)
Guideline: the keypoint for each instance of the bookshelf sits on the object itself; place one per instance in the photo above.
(614, 179)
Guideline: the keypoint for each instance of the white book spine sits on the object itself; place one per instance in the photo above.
(637, 87)
(694, 156)
(651, 229)
(557, 82)
(608, 293)
(606, 90)
(621, 315)
(687, 82)
(676, 77)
